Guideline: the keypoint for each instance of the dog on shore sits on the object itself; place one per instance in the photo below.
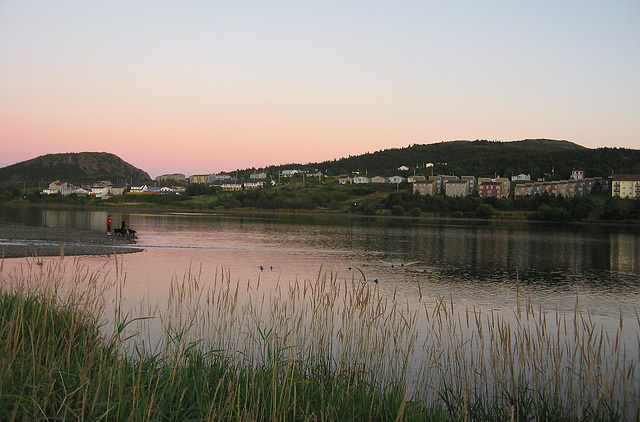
(130, 233)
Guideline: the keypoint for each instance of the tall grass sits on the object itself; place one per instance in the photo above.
(324, 349)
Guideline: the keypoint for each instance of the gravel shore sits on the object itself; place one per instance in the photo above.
(17, 241)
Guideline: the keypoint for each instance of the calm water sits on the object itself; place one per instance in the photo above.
(476, 263)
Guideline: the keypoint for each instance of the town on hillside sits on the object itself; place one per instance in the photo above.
(619, 185)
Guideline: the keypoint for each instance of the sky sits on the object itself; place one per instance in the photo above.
(200, 87)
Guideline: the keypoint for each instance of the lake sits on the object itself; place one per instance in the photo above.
(476, 262)
(493, 267)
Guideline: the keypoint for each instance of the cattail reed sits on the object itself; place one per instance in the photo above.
(333, 348)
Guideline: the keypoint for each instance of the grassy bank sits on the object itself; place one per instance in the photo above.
(325, 349)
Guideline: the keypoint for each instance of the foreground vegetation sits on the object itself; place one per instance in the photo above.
(327, 349)
(371, 200)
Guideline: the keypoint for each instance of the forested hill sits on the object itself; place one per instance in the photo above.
(77, 168)
(488, 159)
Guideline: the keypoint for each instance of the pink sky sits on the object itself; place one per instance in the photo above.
(204, 87)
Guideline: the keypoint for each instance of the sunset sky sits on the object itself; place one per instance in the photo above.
(210, 86)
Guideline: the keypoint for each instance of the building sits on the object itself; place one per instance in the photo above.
(521, 177)
(138, 189)
(413, 179)
(289, 173)
(625, 185)
(117, 190)
(523, 189)
(200, 178)
(231, 186)
(253, 185)
(568, 188)
(442, 180)
(397, 179)
(404, 168)
(99, 190)
(577, 174)
(439, 183)
(379, 179)
(491, 189)
(55, 188)
(345, 180)
(425, 187)
(173, 177)
(258, 175)
(506, 184)
(473, 182)
(361, 179)
(457, 188)
(172, 189)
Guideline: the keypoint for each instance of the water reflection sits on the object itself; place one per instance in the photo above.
(481, 263)
(624, 252)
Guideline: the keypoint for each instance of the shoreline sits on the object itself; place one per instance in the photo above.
(315, 213)
(20, 241)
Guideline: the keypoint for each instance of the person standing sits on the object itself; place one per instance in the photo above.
(109, 225)
(123, 226)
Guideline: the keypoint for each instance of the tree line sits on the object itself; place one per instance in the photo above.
(366, 200)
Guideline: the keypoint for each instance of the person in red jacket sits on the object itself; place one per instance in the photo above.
(109, 224)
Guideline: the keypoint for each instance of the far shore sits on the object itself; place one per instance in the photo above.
(20, 241)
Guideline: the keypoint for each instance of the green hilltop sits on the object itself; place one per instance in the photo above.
(77, 168)
(487, 159)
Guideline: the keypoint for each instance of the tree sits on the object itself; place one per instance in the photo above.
(485, 211)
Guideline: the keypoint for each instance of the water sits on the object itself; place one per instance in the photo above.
(476, 263)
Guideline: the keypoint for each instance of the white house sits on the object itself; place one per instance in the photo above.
(138, 189)
(258, 175)
(54, 188)
(253, 185)
(361, 179)
(231, 186)
(397, 179)
(99, 190)
(521, 177)
(80, 191)
(577, 174)
(117, 190)
(404, 168)
(167, 189)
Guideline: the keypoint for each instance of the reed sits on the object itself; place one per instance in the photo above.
(324, 349)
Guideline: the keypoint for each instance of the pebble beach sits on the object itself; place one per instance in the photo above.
(19, 241)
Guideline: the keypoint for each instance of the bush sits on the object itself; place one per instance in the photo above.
(369, 209)
(485, 211)
(397, 210)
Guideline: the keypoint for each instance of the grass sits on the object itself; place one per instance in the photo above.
(325, 350)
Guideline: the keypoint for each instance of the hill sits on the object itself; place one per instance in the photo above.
(77, 168)
(488, 158)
